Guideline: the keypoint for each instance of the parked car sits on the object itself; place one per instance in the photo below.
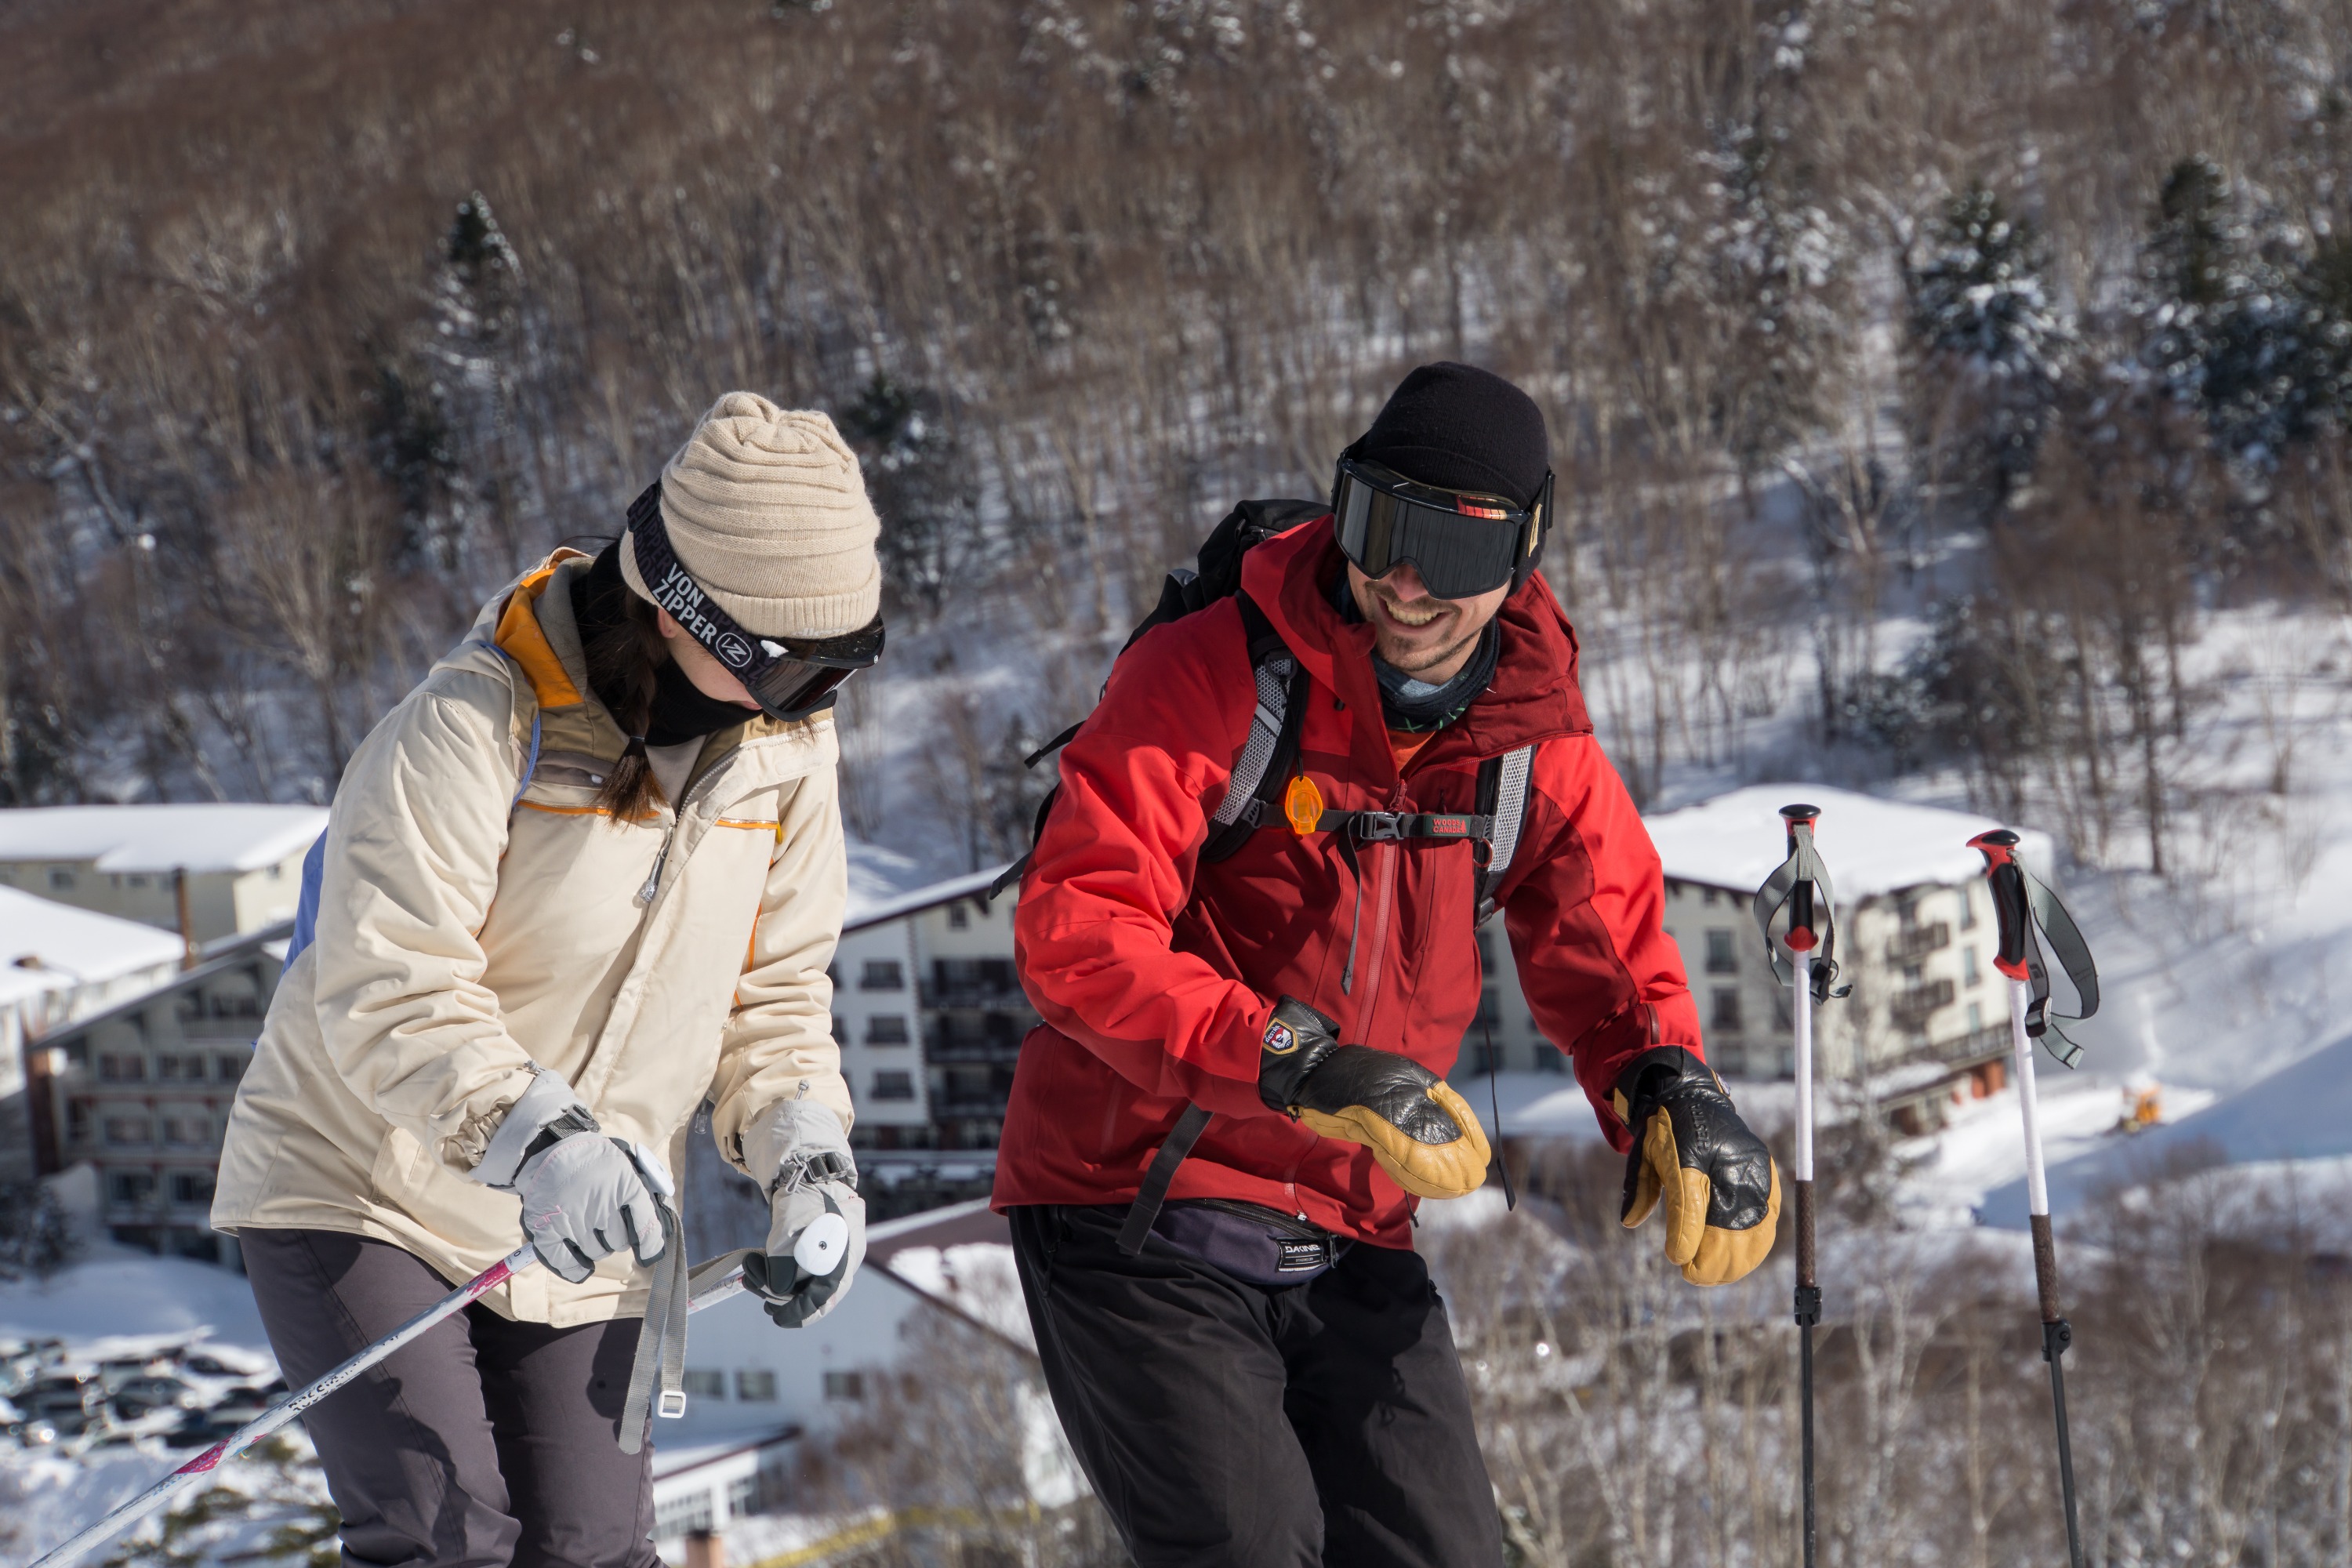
(142, 1394)
(32, 1434)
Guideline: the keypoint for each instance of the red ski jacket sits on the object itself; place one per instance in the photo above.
(1155, 975)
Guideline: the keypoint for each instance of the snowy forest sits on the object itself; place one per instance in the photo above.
(1953, 390)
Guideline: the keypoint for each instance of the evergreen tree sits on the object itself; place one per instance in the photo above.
(921, 487)
(2248, 322)
(1990, 350)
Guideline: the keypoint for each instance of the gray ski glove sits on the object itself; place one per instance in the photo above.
(816, 1235)
(584, 1195)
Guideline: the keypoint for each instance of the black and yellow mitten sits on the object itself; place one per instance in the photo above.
(1721, 1188)
(1420, 1130)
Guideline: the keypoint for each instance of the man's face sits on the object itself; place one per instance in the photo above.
(1427, 638)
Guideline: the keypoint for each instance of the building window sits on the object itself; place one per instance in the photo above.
(1549, 1060)
(1490, 1006)
(1969, 972)
(116, 1068)
(887, 1029)
(959, 917)
(1707, 896)
(743, 1495)
(129, 1131)
(894, 1085)
(130, 1186)
(1487, 1058)
(1486, 951)
(138, 879)
(1968, 911)
(845, 1386)
(682, 1515)
(1720, 959)
(78, 1120)
(60, 878)
(1725, 1016)
(229, 1068)
(188, 1132)
(705, 1384)
(1976, 1014)
(882, 974)
(192, 1186)
(756, 1386)
(171, 1067)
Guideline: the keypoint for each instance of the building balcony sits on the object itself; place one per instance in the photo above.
(1959, 1050)
(1913, 1005)
(1919, 942)
(974, 993)
(963, 1109)
(985, 1052)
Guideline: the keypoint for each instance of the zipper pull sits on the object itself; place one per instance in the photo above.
(653, 878)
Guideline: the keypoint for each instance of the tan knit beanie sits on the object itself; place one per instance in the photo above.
(764, 506)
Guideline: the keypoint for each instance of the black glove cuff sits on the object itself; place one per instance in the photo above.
(1296, 1041)
(1649, 1077)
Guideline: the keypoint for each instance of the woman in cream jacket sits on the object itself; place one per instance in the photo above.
(589, 874)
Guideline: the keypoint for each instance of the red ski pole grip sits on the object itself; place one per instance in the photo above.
(2006, 879)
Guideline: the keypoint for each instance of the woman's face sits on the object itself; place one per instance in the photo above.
(709, 676)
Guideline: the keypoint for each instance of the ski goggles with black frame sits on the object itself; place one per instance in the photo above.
(1462, 544)
(790, 677)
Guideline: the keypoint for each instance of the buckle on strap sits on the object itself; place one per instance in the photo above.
(1382, 827)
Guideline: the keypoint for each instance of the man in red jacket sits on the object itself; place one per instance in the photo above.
(1257, 1370)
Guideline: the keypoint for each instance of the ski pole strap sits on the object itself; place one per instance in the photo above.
(1145, 1209)
(2073, 956)
(1780, 888)
(2025, 905)
(661, 1342)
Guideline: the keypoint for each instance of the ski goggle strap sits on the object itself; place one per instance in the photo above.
(790, 677)
(1462, 544)
(2025, 905)
(1801, 886)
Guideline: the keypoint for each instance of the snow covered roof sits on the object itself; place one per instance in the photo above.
(1869, 845)
(66, 946)
(897, 905)
(199, 838)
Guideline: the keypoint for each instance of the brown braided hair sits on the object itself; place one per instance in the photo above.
(624, 648)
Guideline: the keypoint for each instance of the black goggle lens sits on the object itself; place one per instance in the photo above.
(1461, 546)
(804, 672)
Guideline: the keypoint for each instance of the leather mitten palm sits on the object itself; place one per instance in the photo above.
(1422, 1132)
(1719, 1185)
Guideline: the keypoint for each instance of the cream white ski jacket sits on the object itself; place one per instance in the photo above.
(471, 922)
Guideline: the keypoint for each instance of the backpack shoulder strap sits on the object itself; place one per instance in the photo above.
(1503, 801)
(1270, 751)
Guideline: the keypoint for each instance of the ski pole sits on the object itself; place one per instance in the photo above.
(1802, 885)
(2013, 904)
(711, 1282)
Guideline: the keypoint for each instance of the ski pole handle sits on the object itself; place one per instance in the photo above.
(2007, 880)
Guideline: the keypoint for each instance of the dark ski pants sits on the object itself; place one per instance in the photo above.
(483, 1443)
(1224, 1423)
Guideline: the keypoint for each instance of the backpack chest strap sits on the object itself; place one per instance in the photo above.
(1382, 827)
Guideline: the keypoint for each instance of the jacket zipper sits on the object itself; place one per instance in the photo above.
(1273, 1219)
(677, 817)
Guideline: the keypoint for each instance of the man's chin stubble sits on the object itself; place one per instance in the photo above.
(1423, 661)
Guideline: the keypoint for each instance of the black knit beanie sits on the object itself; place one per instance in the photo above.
(1461, 428)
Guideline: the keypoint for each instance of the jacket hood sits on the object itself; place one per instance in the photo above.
(1534, 695)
